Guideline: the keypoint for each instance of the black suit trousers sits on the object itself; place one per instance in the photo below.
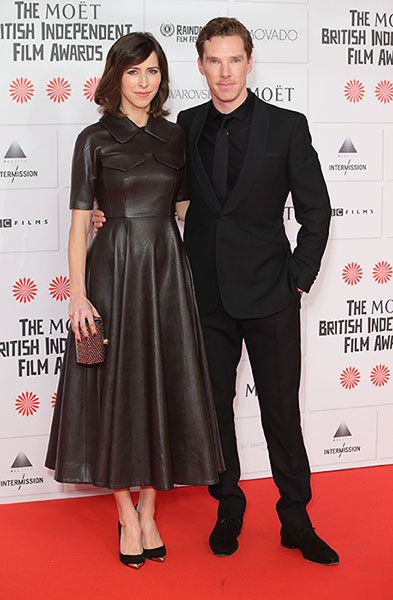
(273, 345)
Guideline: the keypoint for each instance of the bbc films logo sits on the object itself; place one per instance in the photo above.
(9, 223)
(183, 33)
(347, 161)
(20, 470)
(342, 443)
(15, 155)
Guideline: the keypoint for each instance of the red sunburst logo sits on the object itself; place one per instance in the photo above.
(58, 90)
(354, 91)
(382, 272)
(24, 290)
(53, 399)
(27, 404)
(59, 288)
(380, 375)
(384, 91)
(21, 90)
(352, 273)
(89, 88)
(350, 378)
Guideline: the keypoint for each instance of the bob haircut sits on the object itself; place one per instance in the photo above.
(130, 50)
(224, 27)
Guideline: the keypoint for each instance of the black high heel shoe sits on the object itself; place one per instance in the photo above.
(134, 561)
(156, 554)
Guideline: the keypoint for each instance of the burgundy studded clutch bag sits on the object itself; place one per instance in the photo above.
(91, 351)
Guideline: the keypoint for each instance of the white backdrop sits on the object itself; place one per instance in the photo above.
(330, 60)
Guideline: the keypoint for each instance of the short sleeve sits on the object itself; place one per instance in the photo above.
(84, 173)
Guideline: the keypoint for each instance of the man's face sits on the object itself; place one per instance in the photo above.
(225, 66)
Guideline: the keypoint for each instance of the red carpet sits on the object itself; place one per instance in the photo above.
(67, 549)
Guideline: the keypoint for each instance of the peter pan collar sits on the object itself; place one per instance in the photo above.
(124, 130)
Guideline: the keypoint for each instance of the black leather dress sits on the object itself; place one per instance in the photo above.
(147, 416)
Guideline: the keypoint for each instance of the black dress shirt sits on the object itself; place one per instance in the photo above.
(238, 128)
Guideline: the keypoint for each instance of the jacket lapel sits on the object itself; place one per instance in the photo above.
(198, 167)
(256, 148)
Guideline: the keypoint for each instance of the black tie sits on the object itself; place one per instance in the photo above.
(220, 161)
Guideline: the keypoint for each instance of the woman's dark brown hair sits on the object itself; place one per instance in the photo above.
(224, 27)
(128, 51)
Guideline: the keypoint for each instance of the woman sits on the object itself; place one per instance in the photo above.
(146, 416)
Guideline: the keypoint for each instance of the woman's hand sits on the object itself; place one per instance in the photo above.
(97, 218)
(81, 310)
(181, 209)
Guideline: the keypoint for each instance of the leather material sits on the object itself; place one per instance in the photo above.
(240, 252)
(145, 417)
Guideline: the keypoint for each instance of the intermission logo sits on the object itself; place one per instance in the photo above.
(15, 155)
(20, 470)
(183, 33)
(341, 441)
(346, 160)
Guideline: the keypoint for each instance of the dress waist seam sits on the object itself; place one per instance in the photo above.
(140, 217)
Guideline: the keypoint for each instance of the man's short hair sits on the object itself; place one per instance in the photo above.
(224, 27)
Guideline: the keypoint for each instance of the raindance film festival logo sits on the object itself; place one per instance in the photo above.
(15, 155)
(21, 465)
(342, 438)
(183, 32)
(346, 159)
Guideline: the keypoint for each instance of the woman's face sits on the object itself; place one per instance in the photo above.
(139, 85)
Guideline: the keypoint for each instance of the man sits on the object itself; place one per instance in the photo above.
(244, 157)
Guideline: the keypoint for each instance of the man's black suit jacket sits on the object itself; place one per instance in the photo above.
(240, 252)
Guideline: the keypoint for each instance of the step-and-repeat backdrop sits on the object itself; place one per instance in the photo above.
(331, 60)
